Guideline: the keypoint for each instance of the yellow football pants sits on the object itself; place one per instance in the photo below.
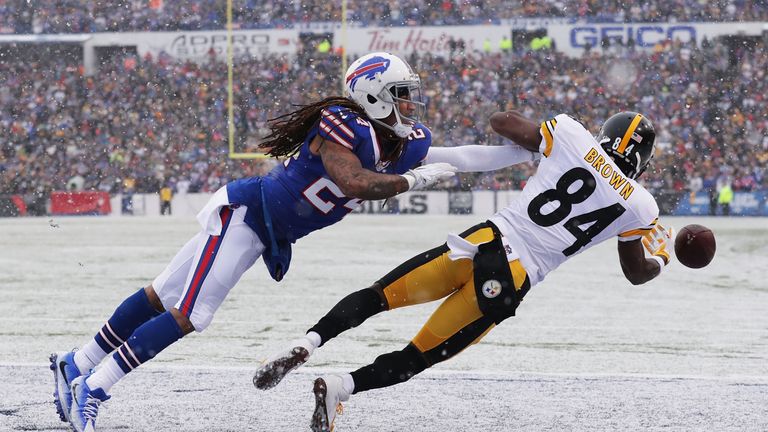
(433, 276)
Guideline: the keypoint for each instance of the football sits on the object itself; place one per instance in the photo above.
(695, 246)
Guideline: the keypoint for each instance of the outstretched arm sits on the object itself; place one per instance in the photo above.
(348, 173)
(478, 158)
(518, 128)
(636, 267)
(639, 269)
(345, 169)
(472, 158)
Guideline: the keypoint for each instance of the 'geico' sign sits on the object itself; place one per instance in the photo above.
(644, 36)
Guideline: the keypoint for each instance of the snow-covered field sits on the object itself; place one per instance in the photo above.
(587, 351)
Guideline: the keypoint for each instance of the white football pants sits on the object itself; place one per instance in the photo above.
(208, 266)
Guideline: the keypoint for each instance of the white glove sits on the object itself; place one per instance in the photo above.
(655, 243)
(429, 174)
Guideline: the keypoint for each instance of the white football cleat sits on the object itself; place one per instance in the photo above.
(64, 372)
(275, 368)
(329, 394)
(85, 405)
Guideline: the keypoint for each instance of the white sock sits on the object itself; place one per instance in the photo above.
(87, 357)
(348, 383)
(106, 376)
(314, 339)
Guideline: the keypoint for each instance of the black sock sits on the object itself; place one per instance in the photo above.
(350, 312)
(389, 369)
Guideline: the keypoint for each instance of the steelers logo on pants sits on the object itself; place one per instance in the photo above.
(491, 288)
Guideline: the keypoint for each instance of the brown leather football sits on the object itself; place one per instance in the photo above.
(695, 246)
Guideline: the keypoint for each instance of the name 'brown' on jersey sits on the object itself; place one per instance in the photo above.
(577, 199)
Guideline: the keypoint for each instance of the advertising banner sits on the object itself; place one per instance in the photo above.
(199, 45)
(572, 39)
(744, 204)
(460, 202)
(80, 203)
(408, 203)
(434, 40)
(12, 205)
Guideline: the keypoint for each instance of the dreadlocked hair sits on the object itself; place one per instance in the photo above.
(288, 131)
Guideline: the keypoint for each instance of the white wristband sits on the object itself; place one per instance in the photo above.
(410, 179)
(659, 260)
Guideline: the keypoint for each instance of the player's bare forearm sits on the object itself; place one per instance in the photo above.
(516, 127)
(636, 267)
(358, 182)
(649, 272)
(381, 186)
(347, 172)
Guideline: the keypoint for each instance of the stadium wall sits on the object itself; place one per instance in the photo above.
(570, 38)
(480, 203)
(744, 204)
(430, 202)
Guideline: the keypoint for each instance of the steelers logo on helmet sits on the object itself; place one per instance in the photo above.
(382, 83)
(630, 140)
(491, 288)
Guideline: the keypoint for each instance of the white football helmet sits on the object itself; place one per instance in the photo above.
(378, 82)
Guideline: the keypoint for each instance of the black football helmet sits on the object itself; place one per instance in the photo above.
(630, 140)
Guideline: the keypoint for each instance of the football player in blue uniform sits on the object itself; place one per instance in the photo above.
(338, 152)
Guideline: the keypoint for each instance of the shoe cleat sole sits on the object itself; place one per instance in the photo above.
(268, 377)
(56, 400)
(320, 416)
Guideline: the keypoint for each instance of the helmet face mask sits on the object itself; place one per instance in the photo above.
(383, 83)
(648, 164)
(406, 95)
(630, 140)
(409, 94)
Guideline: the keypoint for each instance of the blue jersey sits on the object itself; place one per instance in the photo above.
(299, 197)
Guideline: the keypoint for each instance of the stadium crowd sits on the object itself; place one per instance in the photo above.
(141, 123)
(89, 16)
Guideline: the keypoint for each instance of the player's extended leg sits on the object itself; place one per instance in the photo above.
(428, 276)
(218, 263)
(134, 311)
(457, 323)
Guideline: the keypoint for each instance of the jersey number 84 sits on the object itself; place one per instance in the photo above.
(565, 199)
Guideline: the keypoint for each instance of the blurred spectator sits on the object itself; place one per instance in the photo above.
(505, 44)
(710, 187)
(152, 119)
(724, 199)
(76, 183)
(89, 16)
(166, 196)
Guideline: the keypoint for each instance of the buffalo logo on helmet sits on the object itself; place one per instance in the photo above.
(368, 70)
